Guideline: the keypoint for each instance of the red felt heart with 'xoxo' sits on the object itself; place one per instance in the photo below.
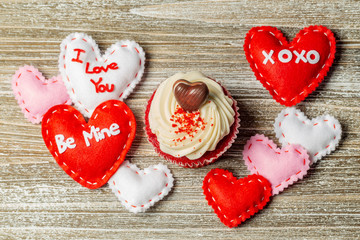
(235, 200)
(290, 71)
(90, 152)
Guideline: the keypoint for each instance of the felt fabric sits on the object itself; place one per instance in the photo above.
(290, 71)
(210, 156)
(319, 136)
(90, 152)
(235, 200)
(91, 78)
(282, 167)
(35, 94)
(137, 189)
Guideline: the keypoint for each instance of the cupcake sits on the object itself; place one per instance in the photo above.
(191, 120)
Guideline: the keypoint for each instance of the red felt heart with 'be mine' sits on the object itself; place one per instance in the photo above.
(90, 152)
(235, 200)
(290, 71)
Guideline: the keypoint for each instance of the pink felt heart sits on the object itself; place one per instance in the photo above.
(35, 94)
(92, 78)
(282, 167)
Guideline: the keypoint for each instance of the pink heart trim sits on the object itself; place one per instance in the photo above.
(282, 167)
(35, 94)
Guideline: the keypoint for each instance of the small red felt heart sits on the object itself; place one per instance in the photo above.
(90, 152)
(235, 200)
(290, 71)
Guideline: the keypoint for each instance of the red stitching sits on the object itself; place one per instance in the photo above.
(260, 30)
(96, 59)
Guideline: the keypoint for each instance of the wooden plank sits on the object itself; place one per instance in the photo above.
(39, 201)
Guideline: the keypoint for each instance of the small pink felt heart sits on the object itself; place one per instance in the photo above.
(282, 167)
(92, 78)
(35, 94)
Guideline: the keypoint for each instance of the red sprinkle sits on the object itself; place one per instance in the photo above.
(186, 123)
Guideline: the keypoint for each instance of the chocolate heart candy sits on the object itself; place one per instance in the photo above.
(189, 95)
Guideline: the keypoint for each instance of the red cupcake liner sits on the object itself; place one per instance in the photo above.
(209, 156)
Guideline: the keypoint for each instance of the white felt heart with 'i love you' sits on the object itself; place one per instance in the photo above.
(282, 167)
(92, 78)
(35, 94)
(138, 189)
(318, 136)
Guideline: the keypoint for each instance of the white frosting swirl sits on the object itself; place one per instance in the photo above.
(216, 113)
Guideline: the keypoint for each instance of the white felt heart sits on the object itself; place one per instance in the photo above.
(91, 78)
(138, 189)
(319, 136)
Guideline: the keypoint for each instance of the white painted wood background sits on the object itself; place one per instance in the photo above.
(39, 201)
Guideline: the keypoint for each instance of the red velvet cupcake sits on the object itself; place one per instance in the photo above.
(191, 120)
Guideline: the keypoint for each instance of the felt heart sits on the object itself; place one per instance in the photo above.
(90, 152)
(235, 200)
(290, 71)
(35, 94)
(282, 167)
(138, 189)
(91, 78)
(189, 95)
(319, 136)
